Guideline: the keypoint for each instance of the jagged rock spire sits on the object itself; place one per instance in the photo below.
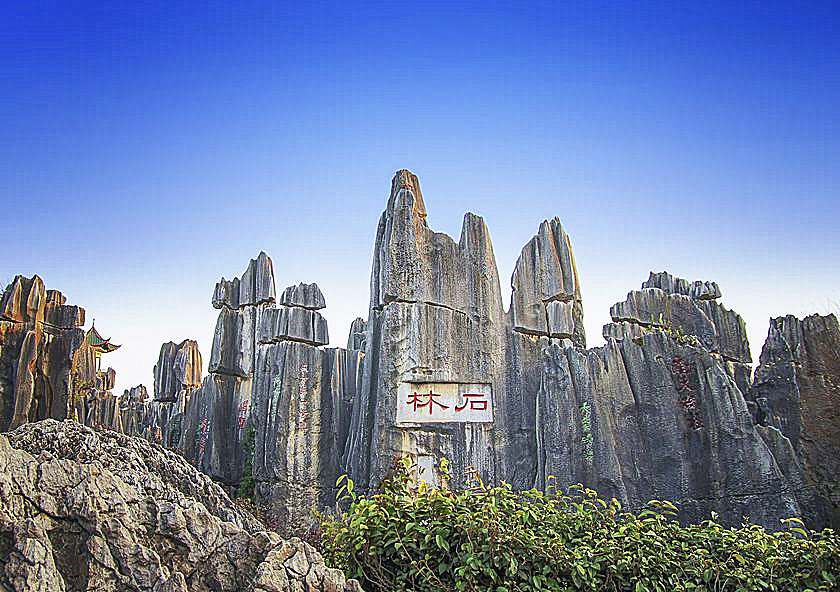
(546, 297)
(256, 285)
(405, 185)
(179, 368)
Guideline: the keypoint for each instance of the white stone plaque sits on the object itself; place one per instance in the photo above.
(446, 402)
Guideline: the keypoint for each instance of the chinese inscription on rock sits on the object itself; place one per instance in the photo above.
(448, 402)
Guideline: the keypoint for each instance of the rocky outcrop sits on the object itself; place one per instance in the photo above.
(276, 406)
(797, 391)
(178, 368)
(293, 323)
(358, 335)
(686, 310)
(302, 400)
(46, 367)
(697, 290)
(303, 295)
(88, 510)
(256, 286)
(656, 419)
(659, 412)
(666, 409)
(217, 416)
(435, 316)
(546, 291)
(689, 312)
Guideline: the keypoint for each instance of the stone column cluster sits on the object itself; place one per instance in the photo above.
(668, 408)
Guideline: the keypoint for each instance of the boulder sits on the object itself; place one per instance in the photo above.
(286, 323)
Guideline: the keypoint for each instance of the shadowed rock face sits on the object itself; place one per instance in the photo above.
(797, 391)
(302, 398)
(88, 510)
(653, 419)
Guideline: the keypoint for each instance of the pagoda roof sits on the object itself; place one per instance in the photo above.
(99, 343)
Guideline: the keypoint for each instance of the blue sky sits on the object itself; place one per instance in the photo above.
(148, 149)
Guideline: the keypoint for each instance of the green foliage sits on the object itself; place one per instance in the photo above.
(586, 426)
(415, 537)
(246, 485)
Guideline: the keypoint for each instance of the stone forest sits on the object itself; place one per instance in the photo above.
(672, 407)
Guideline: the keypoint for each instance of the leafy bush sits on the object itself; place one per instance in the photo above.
(415, 537)
(247, 484)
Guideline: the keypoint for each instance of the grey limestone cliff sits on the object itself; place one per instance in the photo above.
(796, 394)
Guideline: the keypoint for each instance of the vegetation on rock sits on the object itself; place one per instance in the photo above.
(247, 484)
(412, 536)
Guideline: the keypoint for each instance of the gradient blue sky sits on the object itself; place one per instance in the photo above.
(147, 149)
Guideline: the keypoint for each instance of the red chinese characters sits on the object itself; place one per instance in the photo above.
(475, 401)
(242, 419)
(424, 400)
(444, 402)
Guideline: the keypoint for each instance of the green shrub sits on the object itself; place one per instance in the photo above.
(247, 484)
(415, 537)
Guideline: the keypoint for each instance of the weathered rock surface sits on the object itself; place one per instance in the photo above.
(304, 295)
(276, 405)
(302, 401)
(546, 290)
(659, 412)
(293, 323)
(179, 368)
(435, 316)
(87, 510)
(797, 391)
(358, 335)
(666, 409)
(709, 323)
(46, 368)
(698, 289)
(656, 419)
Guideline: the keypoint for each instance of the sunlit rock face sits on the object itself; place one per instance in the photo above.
(440, 369)
(435, 316)
(46, 367)
(546, 289)
(276, 405)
